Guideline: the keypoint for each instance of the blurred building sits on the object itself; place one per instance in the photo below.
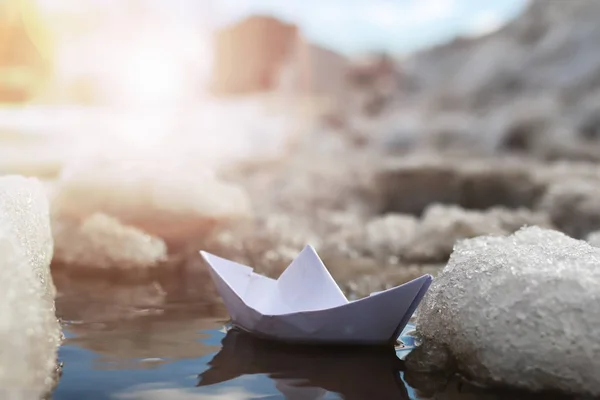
(25, 51)
(261, 54)
(248, 55)
(313, 71)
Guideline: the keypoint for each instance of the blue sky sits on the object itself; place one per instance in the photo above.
(400, 26)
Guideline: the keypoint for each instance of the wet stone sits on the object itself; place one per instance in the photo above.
(410, 185)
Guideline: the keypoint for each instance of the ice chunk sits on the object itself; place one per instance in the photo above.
(389, 234)
(172, 200)
(101, 241)
(29, 330)
(442, 226)
(521, 310)
(574, 206)
(383, 237)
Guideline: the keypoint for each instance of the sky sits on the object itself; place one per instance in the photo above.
(398, 26)
(349, 26)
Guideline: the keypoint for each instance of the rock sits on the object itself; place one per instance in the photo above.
(249, 55)
(453, 131)
(375, 71)
(29, 331)
(442, 226)
(378, 78)
(169, 200)
(528, 55)
(381, 238)
(389, 235)
(305, 198)
(269, 244)
(499, 183)
(564, 147)
(432, 358)
(311, 183)
(400, 237)
(561, 171)
(538, 71)
(398, 133)
(409, 185)
(573, 206)
(360, 277)
(519, 311)
(103, 242)
(523, 125)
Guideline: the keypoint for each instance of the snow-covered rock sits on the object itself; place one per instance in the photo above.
(382, 238)
(172, 200)
(388, 235)
(574, 206)
(101, 241)
(442, 226)
(521, 81)
(520, 311)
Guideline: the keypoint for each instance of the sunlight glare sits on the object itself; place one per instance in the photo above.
(152, 76)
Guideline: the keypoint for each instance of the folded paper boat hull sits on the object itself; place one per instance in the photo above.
(374, 320)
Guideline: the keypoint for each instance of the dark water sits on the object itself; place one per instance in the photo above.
(167, 338)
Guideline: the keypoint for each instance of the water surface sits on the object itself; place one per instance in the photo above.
(168, 338)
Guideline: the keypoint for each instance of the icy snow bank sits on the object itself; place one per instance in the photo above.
(29, 330)
(521, 311)
(171, 199)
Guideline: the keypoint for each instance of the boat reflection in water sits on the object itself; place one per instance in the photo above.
(309, 372)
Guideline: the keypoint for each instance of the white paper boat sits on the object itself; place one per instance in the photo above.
(305, 304)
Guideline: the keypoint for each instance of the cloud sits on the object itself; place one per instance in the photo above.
(484, 23)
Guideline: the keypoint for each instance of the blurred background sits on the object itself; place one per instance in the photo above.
(378, 131)
(133, 75)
